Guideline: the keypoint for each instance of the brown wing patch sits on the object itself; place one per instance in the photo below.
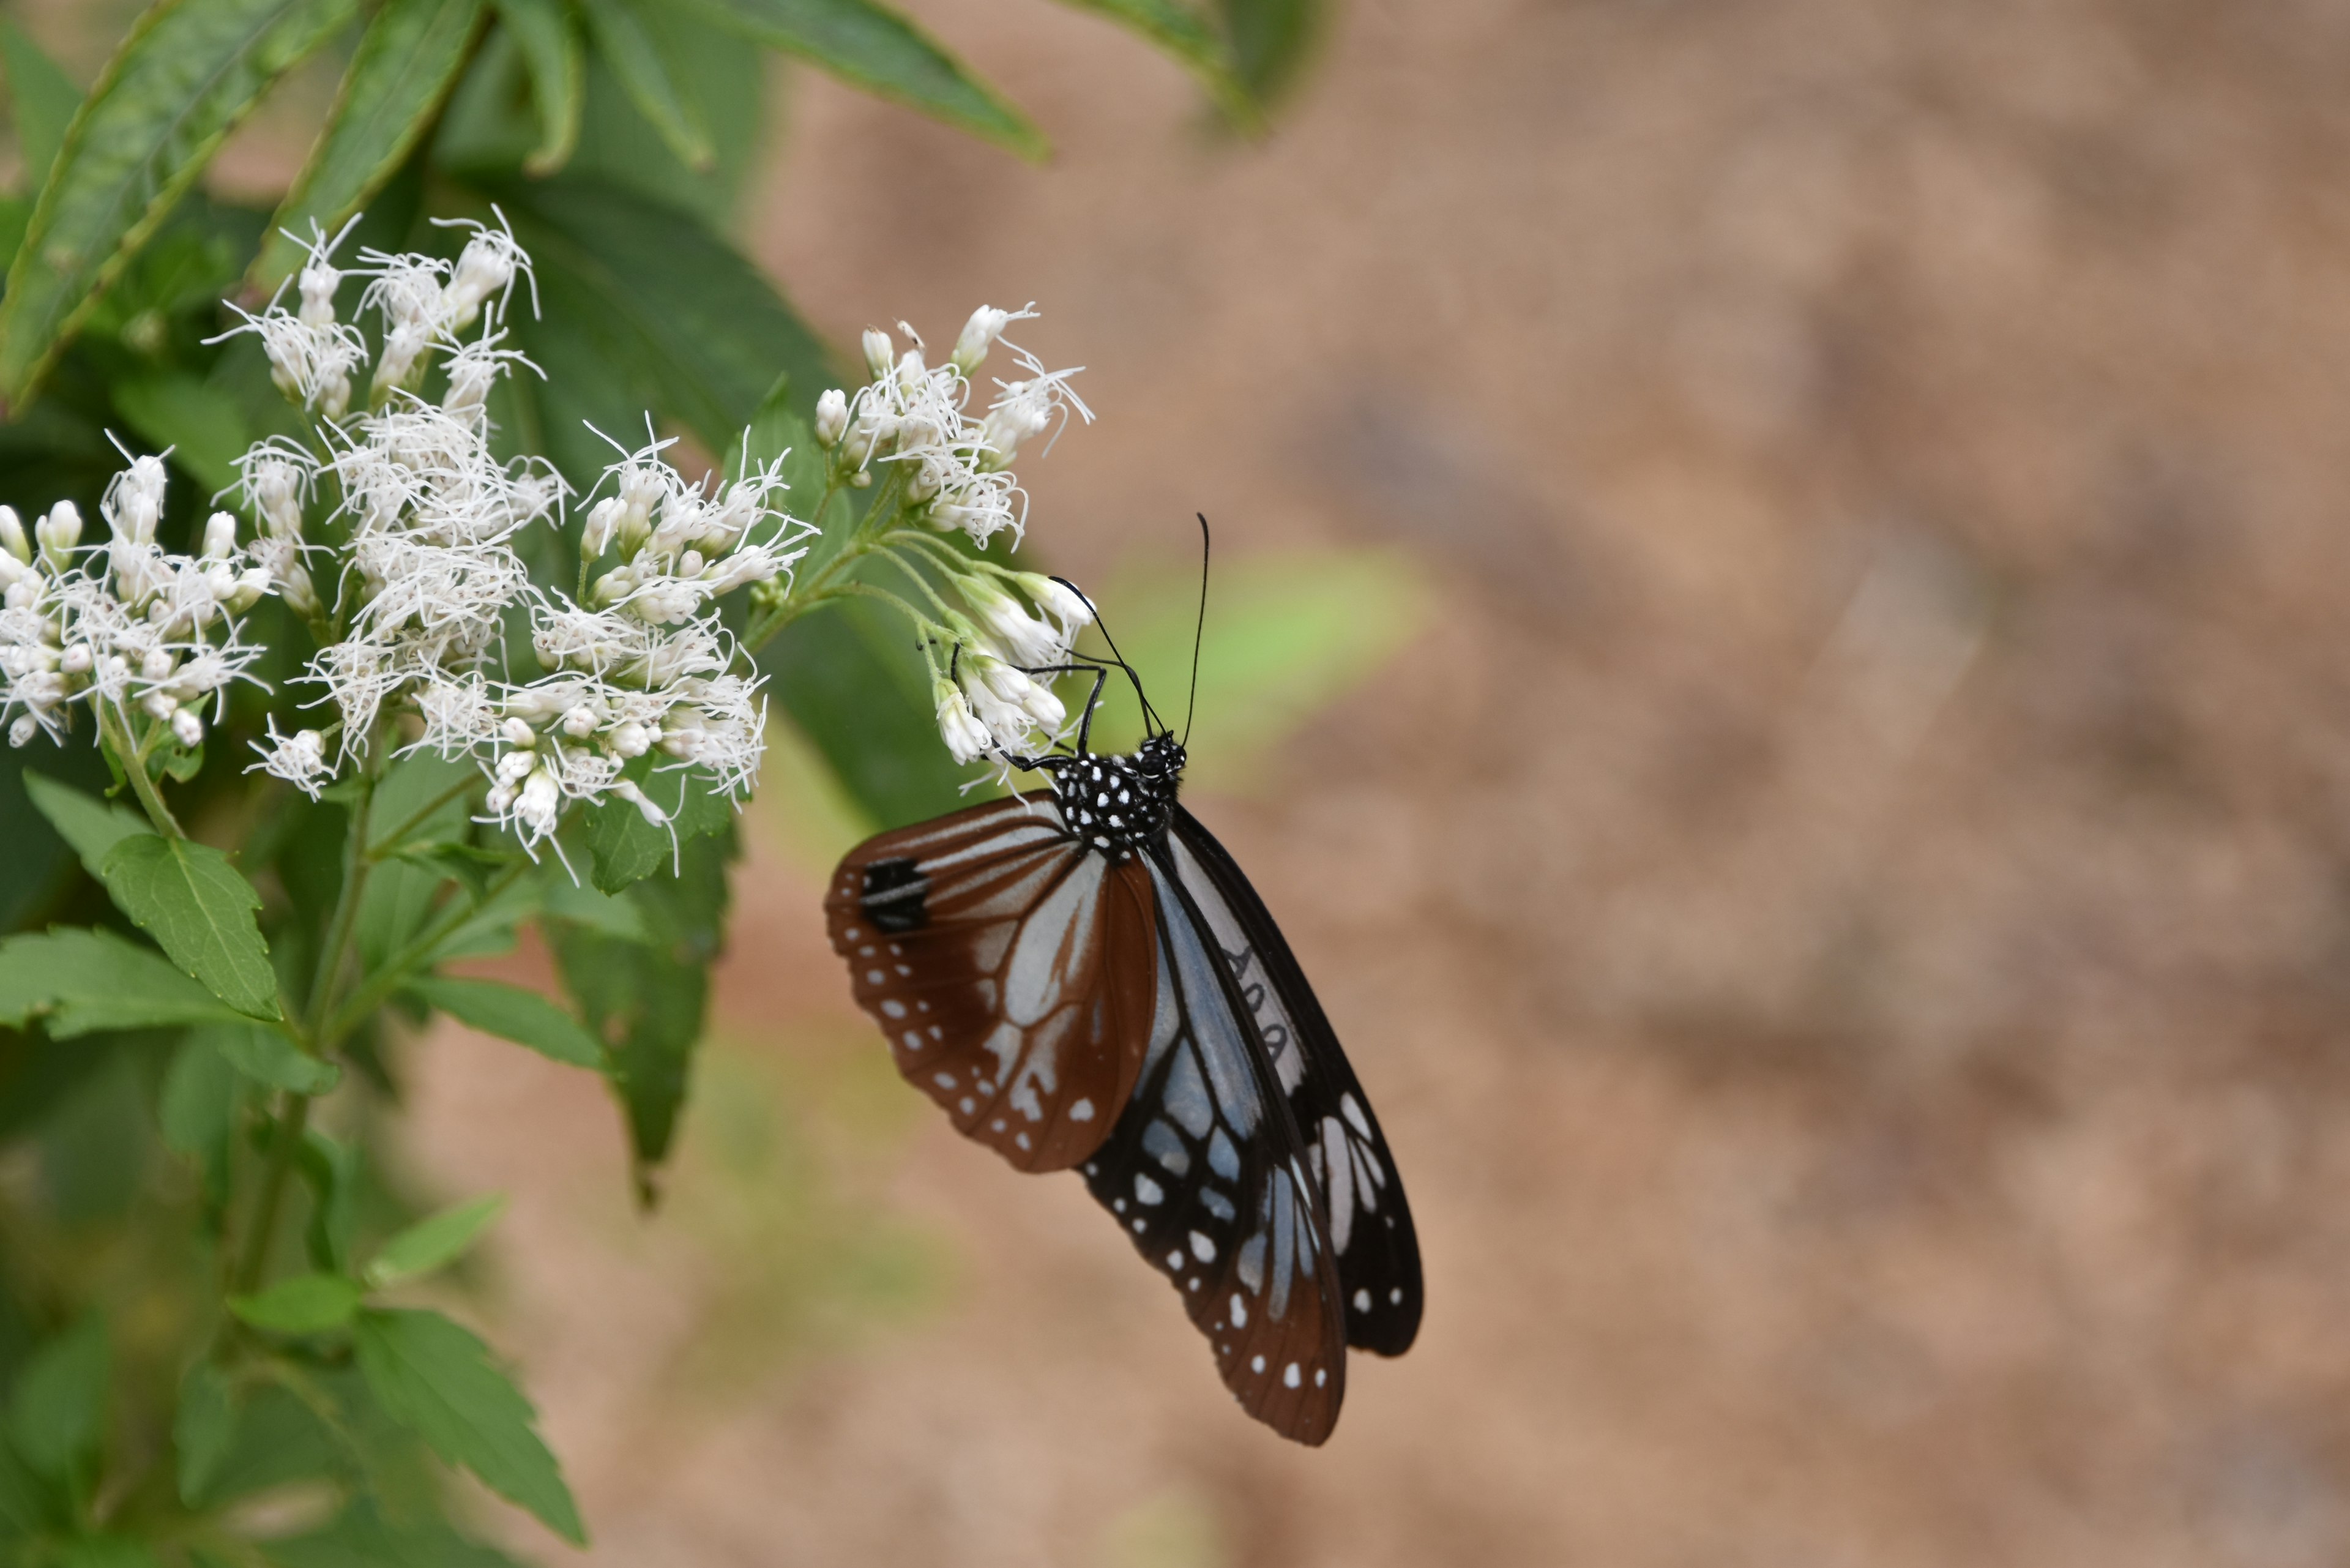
(1011, 968)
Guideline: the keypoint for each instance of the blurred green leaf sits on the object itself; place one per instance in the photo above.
(490, 926)
(37, 857)
(198, 1111)
(407, 61)
(92, 826)
(1184, 33)
(393, 908)
(605, 913)
(552, 49)
(1286, 635)
(205, 432)
(200, 910)
(202, 1427)
(435, 1378)
(626, 847)
(434, 1242)
(307, 1303)
(876, 48)
(58, 1411)
(268, 1058)
(658, 308)
(104, 1551)
(853, 681)
(187, 74)
(44, 101)
(78, 981)
(331, 1167)
(1273, 41)
(630, 43)
(732, 85)
(510, 1012)
(360, 1537)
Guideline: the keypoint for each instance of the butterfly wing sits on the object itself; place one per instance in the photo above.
(1010, 968)
(1369, 1223)
(1206, 1172)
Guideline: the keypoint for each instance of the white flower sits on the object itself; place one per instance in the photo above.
(1060, 601)
(980, 333)
(831, 418)
(967, 739)
(880, 354)
(1019, 637)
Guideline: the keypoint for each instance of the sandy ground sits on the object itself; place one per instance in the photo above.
(1843, 912)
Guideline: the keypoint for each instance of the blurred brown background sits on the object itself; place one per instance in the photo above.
(1843, 908)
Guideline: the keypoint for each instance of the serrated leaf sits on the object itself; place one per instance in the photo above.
(44, 101)
(407, 62)
(188, 73)
(874, 48)
(200, 910)
(202, 1427)
(1183, 33)
(653, 303)
(205, 432)
(78, 982)
(362, 1538)
(307, 1303)
(58, 1411)
(437, 1379)
(630, 43)
(625, 846)
(269, 1059)
(92, 826)
(510, 1012)
(434, 1242)
(551, 50)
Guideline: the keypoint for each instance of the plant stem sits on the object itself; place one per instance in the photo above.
(292, 1120)
(116, 730)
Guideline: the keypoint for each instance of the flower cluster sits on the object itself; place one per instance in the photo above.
(643, 668)
(956, 470)
(150, 635)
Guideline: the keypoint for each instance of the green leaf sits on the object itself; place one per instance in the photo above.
(600, 911)
(57, 1412)
(45, 100)
(630, 44)
(510, 1012)
(435, 1378)
(198, 1111)
(490, 928)
(660, 311)
(394, 907)
(331, 1169)
(407, 62)
(625, 847)
(91, 825)
(420, 801)
(433, 1243)
(78, 982)
(269, 1059)
(202, 1427)
(360, 1537)
(1183, 33)
(854, 684)
(190, 70)
(551, 48)
(1273, 41)
(105, 1551)
(200, 910)
(307, 1303)
(729, 82)
(207, 432)
(876, 48)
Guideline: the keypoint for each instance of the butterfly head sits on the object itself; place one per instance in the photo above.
(1160, 758)
(1119, 804)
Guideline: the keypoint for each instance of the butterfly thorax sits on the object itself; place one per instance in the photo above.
(1120, 805)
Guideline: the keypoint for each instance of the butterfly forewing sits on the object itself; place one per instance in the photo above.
(1012, 970)
(1207, 1174)
(1371, 1227)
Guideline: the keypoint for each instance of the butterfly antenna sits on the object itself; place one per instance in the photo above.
(1150, 714)
(1199, 632)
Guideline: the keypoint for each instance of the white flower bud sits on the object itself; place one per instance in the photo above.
(187, 728)
(1021, 637)
(251, 585)
(630, 740)
(603, 521)
(499, 799)
(831, 418)
(880, 354)
(161, 704)
(515, 767)
(59, 533)
(219, 536)
(23, 729)
(293, 587)
(318, 283)
(518, 734)
(1059, 600)
(628, 792)
(12, 535)
(580, 722)
(967, 739)
(978, 335)
(540, 801)
(157, 665)
(77, 659)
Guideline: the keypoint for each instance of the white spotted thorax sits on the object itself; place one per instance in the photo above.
(1119, 805)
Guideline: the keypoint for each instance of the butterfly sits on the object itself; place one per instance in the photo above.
(1082, 978)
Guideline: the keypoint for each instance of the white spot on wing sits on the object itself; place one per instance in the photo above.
(1148, 1190)
(1081, 1110)
(1240, 1311)
(1203, 1248)
(1362, 1301)
(1289, 1378)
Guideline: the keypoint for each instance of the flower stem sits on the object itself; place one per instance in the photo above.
(116, 730)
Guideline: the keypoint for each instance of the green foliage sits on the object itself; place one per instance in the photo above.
(188, 72)
(437, 1379)
(196, 1046)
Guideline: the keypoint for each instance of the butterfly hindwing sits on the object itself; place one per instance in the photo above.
(1369, 1223)
(1012, 970)
(1208, 1176)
